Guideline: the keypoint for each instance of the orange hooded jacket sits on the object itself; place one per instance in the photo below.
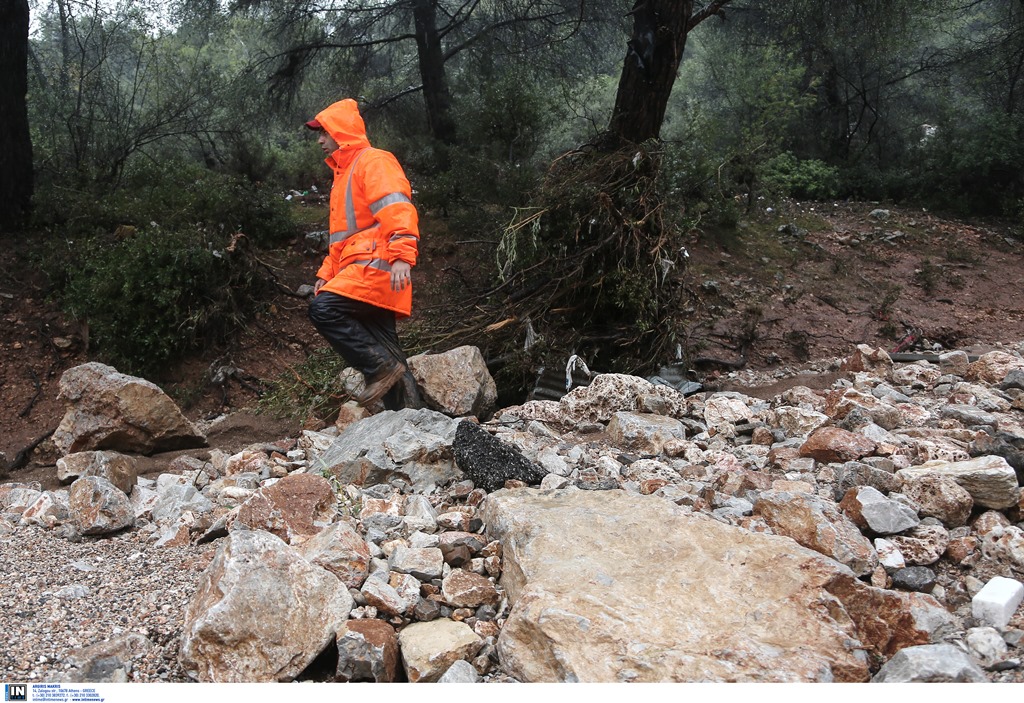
(373, 222)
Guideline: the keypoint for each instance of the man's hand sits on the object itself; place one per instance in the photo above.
(318, 285)
(400, 276)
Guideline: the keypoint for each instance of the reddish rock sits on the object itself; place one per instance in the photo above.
(651, 485)
(865, 358)
(736, 482)
(762, 436)
(961, 548)
(832, 444)
(341, 550)
(993, 367)
(367, 651)
(887, 621)
(940, 497)
(295, 508)
(923, 545)
(817, 525)
(464, 589)
(840, 403)
(988, 521)
(781, 455)
(96, 507)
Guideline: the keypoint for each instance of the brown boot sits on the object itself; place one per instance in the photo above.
(380, 383)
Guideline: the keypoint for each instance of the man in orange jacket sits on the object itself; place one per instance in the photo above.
(365, 281)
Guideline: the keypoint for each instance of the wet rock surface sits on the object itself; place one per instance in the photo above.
(563, 540)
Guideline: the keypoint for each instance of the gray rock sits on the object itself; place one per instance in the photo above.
(261, 612)
(642, 433)
(930, 663)
(869, 508)
(1014, 379)
(424, 564)
(990, 480)
(106, 662)
(119, 469)
(855, 473)
(460, 671)
(987, 645)
(414, 445)
(969, 415)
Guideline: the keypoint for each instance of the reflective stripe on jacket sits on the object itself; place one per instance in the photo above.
(373, 222)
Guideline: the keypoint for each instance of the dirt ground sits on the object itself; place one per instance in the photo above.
(787, 287)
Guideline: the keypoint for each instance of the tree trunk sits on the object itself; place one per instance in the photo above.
(649, 71)
(15, 140)
(431, 61)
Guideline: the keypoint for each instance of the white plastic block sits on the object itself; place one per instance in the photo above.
(996, 602)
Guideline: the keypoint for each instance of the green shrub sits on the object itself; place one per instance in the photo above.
(174, 196)
(804, 179)
(158, 293)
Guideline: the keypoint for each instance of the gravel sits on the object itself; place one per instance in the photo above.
(62, 594)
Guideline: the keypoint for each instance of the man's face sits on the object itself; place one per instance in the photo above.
(327, 143)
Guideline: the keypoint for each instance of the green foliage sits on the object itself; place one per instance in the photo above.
(804, 179)
(973, 166)
(174, 196)
(158, 293)
(309, 390)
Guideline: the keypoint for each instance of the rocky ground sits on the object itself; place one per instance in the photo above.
(415, 542)
(781, 305)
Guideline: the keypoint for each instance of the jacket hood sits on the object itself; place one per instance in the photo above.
(344, 123)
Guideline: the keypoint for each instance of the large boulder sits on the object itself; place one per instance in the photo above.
(455, 382)
(991, 481)
(643, 590)
(110, 410)
(261, 612)
(412, 444)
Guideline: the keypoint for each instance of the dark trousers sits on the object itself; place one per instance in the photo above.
(365, 337)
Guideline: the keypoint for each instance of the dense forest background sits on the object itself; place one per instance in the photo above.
(566, 146)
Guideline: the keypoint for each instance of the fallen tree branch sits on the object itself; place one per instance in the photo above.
(39, 390)
(21, 458)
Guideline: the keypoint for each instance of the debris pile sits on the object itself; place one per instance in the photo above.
(626, 532)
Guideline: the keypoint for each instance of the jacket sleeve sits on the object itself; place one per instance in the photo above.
(327, 268)
(387, 192)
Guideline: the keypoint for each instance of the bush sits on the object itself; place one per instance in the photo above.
(159, 293)
(803, 179)
(174, 196)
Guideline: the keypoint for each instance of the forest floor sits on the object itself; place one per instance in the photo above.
(784, 289)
